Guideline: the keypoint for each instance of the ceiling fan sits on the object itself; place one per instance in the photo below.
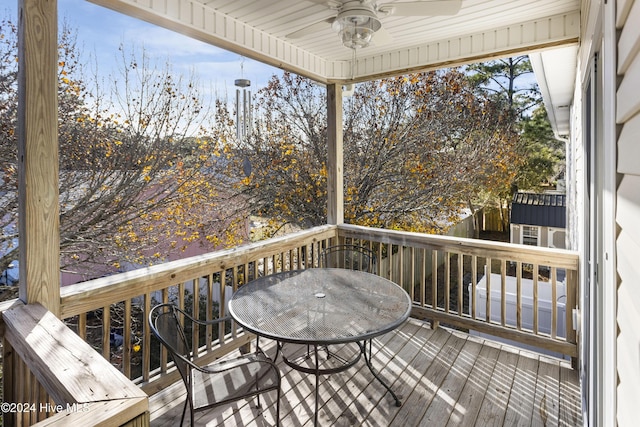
(356, 21)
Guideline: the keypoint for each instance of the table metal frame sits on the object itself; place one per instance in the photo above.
(261, 292)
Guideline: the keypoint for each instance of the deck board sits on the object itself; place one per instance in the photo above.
(569, 412)
(451, 389)
(520, 405)
(380, 404)
(434, 369)
(468, 404)
(546, 401)
(496, 396)
(348, 399)
(444, 377)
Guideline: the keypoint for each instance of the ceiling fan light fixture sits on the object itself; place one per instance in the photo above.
(356, 27)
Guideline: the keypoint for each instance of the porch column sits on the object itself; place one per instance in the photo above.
(39, 238)
(335, 173)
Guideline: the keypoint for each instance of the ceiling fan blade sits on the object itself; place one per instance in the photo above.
(422, 8)
(311, 29)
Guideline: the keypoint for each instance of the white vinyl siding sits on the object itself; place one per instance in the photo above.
(628, 214)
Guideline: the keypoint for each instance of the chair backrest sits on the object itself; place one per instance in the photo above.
(167, 324)
(352, 257)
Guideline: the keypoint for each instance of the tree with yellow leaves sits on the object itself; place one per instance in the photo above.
(416, 149)
(139, 175)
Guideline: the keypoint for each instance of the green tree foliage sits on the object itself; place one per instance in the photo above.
(508, 81)
(544, 154)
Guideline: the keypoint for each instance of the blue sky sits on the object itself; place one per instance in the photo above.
(101, 31)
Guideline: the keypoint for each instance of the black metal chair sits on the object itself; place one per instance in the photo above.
(220, 382)
(352, 257)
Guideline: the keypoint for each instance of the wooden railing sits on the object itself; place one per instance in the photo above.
(534, 292)
(111, 312)
(52, 377)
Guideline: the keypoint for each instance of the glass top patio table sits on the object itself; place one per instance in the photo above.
(320, 306)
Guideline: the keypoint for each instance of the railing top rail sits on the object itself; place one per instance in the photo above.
(560, 258)
(52, 352)
(94, 294)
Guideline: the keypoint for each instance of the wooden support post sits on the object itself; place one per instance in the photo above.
(335, 172)
(39, 239)
(573, 296)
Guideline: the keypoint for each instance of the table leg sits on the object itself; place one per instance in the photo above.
(278, 350)
(367, 359)
(315, 351)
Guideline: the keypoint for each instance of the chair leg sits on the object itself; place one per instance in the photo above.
(257, 395)
(278, 406)
(317, 373)
(184, 411)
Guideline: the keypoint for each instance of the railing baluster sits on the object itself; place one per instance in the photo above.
(474, 284)
(21, 385)
(181, 295)
(412, 272)
(195, 312)
(535, 299)
(503, 292)
(554, 303)
(400, 272)
(222, 310)
(82, 325)
(423, 277)
(391, 258)
(146, 343)
(487, 275)
(126, 335)
(447, 280)
(460, 284)
(519, 295)
(106, 331)
(571, 291)
(415, 271)
(434, 279)
(163, 350)
(209, 328)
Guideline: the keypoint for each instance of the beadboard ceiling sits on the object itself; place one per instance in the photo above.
(262, 30)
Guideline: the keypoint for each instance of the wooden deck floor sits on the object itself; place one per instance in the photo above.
(444, 377)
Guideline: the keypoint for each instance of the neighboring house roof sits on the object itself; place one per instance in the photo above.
(545, 209)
